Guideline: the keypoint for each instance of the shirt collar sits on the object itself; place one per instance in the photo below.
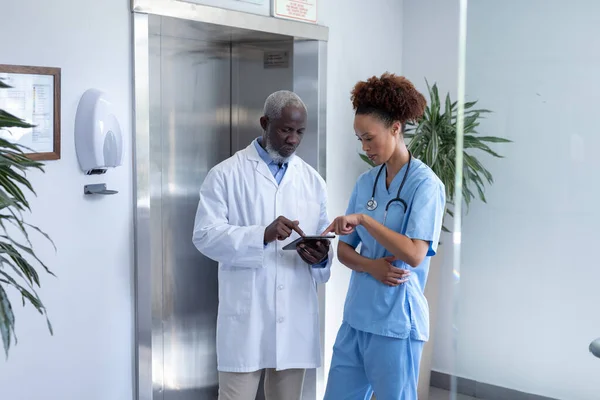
(263, 153)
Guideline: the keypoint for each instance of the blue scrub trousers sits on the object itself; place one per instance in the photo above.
(364, 362)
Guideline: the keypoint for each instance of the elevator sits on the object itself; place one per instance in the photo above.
(201, 77)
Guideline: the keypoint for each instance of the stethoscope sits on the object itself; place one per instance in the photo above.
(372, 203)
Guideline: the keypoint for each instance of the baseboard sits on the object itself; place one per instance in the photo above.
(481, 390)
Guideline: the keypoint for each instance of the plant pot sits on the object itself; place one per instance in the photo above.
(432, 294)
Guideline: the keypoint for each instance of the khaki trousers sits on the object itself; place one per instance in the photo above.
(279, 385)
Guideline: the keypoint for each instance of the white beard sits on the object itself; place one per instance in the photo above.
(274, 154)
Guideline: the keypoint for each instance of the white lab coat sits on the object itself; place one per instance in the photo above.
(268, 308)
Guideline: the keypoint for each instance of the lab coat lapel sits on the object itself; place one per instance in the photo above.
(260, 166)
(291, 171)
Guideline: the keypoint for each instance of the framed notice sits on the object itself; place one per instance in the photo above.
(298, 10)
(34, 96)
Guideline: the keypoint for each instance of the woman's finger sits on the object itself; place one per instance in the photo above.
(330, 228)
(400, 273)
(395, 275)
(336, 226)
(339, 226)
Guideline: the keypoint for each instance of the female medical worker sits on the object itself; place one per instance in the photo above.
(395, 213)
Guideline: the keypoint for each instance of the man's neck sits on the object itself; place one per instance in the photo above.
(261, 142)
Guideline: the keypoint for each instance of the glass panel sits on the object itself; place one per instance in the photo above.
(529, 298)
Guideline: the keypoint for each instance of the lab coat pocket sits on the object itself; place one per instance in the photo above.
(235, 291)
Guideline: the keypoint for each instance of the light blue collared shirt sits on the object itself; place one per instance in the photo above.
(399, 311)
(278, 171)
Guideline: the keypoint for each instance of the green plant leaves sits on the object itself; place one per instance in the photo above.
(10, 121)
(432, 139)
(7, 320)
(17, 270)
(3, 85)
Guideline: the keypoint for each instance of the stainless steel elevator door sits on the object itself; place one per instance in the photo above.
(195, 133)
(253, 81)
(199, 92)
(206, 98)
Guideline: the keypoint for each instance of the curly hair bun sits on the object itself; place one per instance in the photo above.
(392, 97)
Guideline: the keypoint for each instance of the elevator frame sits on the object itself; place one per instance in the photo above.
(149, 384)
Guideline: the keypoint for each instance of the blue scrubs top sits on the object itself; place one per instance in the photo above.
(401, 311)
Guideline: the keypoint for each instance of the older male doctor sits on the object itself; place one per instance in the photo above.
(251, 205)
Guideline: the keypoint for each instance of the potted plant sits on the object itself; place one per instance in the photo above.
(432, 140)
(16, 251)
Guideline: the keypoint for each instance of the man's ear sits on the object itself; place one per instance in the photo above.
(264, 122)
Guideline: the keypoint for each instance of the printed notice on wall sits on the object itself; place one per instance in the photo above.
(276, 59)
(31, 98)
(299, 10)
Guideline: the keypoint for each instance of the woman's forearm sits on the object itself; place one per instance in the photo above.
(412, 252)
(351, 259)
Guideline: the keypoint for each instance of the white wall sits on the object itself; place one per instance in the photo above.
(430, 43)
(364, 40)
(540, 75)
(528, 295)
(91, 302)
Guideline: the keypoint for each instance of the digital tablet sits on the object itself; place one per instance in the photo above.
(292, 245)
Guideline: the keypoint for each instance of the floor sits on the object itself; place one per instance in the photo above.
(439, 394)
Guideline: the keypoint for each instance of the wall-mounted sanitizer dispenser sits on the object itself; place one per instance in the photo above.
(98, 139)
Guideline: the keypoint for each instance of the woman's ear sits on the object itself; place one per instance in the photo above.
(397, 128)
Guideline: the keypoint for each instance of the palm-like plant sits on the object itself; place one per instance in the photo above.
(432, 139)
(16, 256)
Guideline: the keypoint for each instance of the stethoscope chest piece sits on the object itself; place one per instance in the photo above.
(371, 204)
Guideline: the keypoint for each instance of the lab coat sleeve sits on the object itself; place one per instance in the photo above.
(427, 214)
(352, 239)
(213, 236)
(322, 272)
